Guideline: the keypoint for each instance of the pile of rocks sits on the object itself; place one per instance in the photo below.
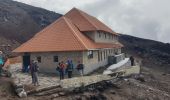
(19, 89)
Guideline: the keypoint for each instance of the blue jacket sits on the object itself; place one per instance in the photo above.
(1, 61)
(70, 66)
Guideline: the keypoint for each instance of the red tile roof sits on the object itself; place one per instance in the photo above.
(62, 35)
(86, 22)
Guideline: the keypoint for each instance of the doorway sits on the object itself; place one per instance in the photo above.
(26, 62)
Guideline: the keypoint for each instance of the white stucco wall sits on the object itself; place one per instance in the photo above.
(90, 35)
(94, 63)
(109, 38)
(99, 37)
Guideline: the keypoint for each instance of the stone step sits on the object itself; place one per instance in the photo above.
(39, 90)
(49, 92)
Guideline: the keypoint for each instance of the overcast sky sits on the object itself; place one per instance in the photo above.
(142, 18)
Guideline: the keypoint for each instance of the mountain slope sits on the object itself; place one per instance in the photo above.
(154, 53)
(19, 22)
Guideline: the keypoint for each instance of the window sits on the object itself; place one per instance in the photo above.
(98, 56)
(101, 56)
(99, 34)
(116, 38)
(109, 36)
(55, 58)
(39, 59)
(116, 51)
(105, 35)
(104, 54)
(90, 54)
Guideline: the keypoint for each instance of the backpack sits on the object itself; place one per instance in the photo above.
(58, 68)
(35, 68)
(80, 66)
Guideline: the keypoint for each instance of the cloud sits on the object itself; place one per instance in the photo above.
(143, 18)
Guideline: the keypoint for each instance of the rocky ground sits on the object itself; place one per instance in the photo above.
(25, 78)
(153, 84)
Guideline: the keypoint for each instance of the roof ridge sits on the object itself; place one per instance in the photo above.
(75, 33)
(86, 18)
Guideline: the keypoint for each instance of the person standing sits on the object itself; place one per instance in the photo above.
(58, 68)
(69, 68)
(31, 70)
(35, 70)
(61, 70)
(132, 61)
(1, 62)
(80, 68)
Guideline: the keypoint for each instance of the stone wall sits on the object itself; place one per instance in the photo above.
(47, 63)
(100, 58)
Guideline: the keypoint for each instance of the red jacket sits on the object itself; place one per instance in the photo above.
(61, 66)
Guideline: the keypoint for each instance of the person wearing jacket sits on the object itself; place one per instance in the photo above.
(61, 70)
(35, 70)
(80, 68)
(1, 61)
(31, 70)
(69, 68)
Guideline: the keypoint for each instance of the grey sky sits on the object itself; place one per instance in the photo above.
(142, 18)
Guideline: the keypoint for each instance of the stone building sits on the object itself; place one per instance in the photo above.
(76, 36)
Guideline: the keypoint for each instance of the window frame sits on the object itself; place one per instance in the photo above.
(54, 58)
(90, 54)
(105, 35)
(99, 34)
(99, 56)
(39, 59)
